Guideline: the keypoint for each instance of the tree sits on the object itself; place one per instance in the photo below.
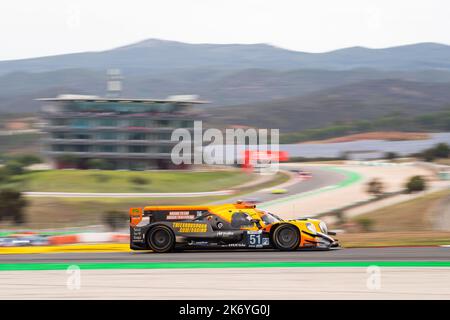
(12, 205)
(14, 167)
(415, 184)
(428, 155)
(115, 219)
(139, 181)
(28, 159)
(340, 216)
(375, 187)
(391, 155)
(365, 223)
(100, 164)
(4, 175)
(442, 150)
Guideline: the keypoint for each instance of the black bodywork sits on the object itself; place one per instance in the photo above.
(200, 229)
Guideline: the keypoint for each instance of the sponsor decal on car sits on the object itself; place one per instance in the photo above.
(187, 227)
(180, 215)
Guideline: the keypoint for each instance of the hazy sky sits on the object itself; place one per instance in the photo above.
(46, 27)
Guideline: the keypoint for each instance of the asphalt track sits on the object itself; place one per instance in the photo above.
(405, 272)
(339, 255)
(320, 178)
(376, 273)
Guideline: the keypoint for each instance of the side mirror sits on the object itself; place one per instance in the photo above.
(256, 221)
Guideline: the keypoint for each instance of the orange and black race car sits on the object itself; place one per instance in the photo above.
(238, 225)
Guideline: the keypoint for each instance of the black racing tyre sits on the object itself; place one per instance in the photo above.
(286, 237)
(161, 239)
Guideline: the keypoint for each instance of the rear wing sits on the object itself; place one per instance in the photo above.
(181, 213)
(167, 213)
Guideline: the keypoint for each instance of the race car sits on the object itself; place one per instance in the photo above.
(278, 191)
(237, 225)
(303, 175)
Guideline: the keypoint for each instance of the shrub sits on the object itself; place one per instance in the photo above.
(13, 167)
(365, 223)
(340, 216)
(442, 150)
(12, 205)
(138, 180)
(391, 155)
(4, 176)
(375, 187)
(100, 164)
(115, 219)
(28, 159)
(428, 155)
(415, 184)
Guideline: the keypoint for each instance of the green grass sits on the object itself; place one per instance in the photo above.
(222, 265)
(44, 213)
(78, 212)
(121, 181)
(407, 223)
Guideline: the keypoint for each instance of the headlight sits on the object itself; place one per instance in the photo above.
(323, 227)
(311, 227)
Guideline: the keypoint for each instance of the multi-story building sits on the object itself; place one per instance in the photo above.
(124, 133)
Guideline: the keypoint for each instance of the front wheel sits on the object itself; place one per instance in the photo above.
(161, 239)
(286, 237)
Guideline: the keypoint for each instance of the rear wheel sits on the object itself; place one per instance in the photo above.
(286, 237)
(161, 239)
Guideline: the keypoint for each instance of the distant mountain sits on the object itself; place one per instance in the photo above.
(364, 100)
(161, 55)
(407, 57)
(225, 74)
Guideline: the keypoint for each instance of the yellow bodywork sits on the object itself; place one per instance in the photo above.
(225, 211)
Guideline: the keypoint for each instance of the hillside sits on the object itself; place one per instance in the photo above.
(368, 99)
(222, 88)
(225, 74)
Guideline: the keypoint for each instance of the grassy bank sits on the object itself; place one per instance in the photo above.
(405, 224)
(410, 238)
(76, 212)
(126, 181)
(412, 215)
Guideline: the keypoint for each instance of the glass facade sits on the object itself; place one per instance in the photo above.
(129, 134)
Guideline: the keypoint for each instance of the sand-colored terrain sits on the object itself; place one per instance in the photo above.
(393, 178)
